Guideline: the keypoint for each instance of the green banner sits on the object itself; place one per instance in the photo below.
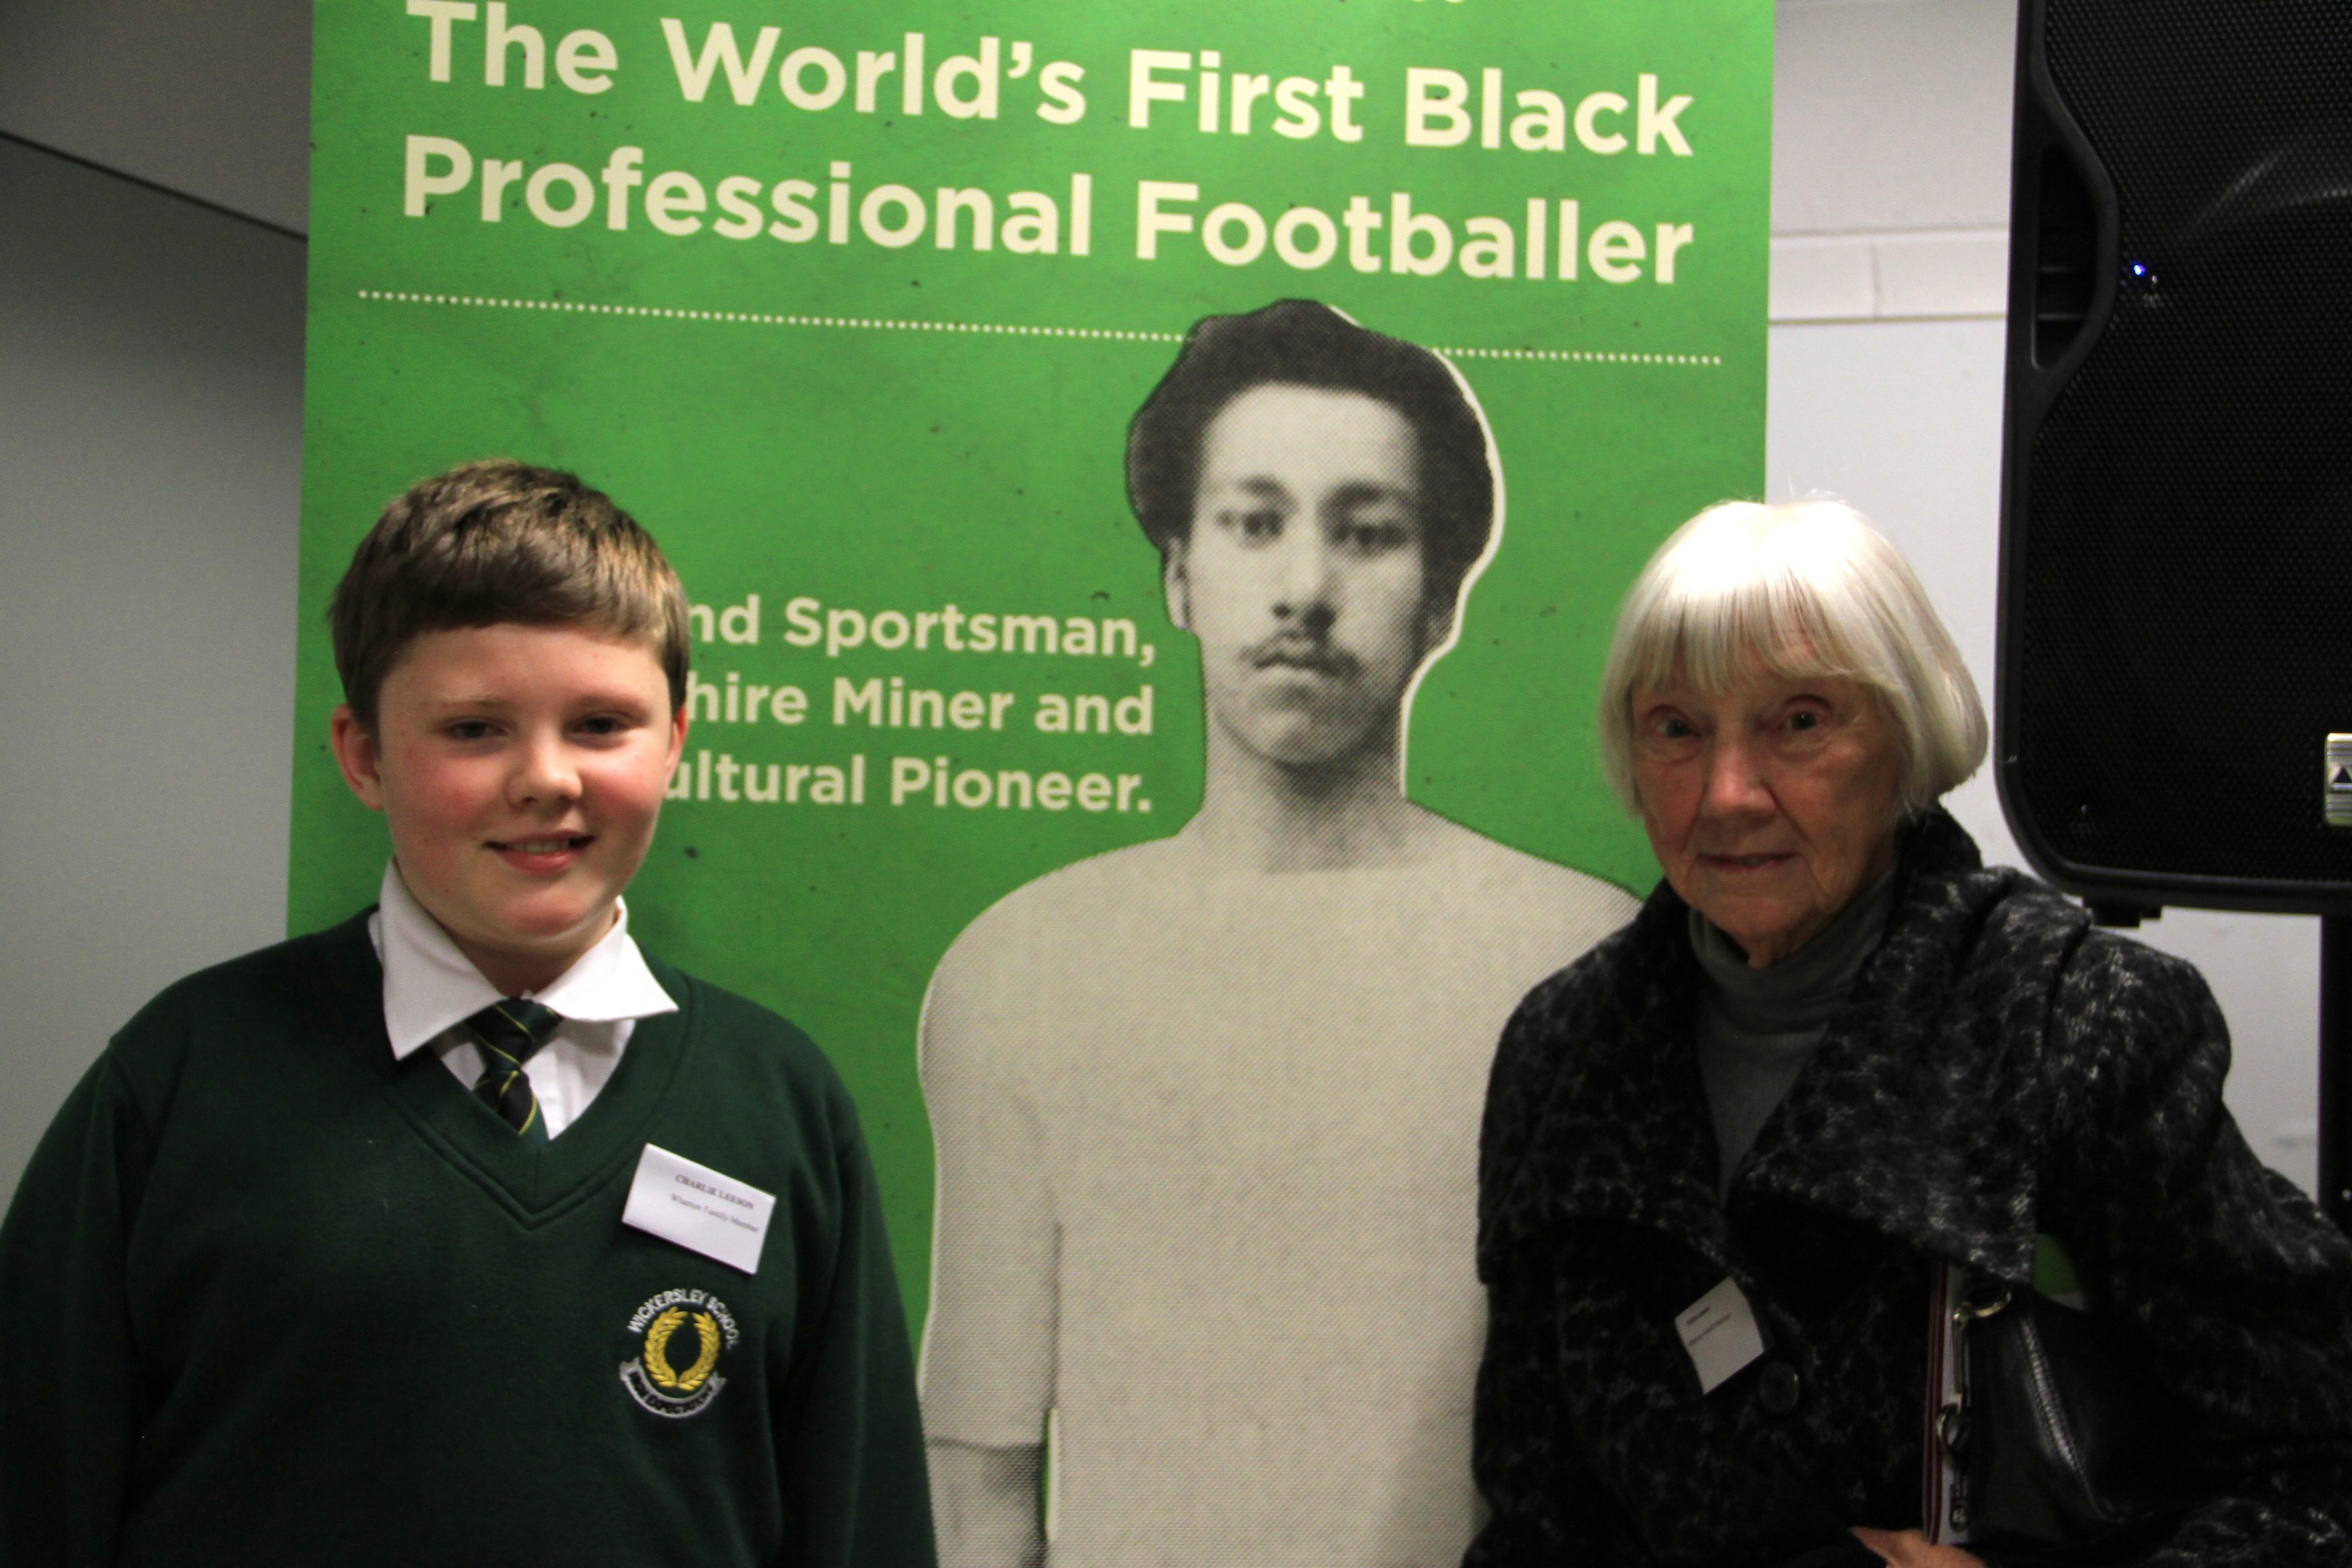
(853, 308)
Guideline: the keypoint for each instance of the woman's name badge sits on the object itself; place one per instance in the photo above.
(700, 1209)
(1719, 1333)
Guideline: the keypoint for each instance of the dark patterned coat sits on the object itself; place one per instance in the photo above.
(2000, 1068)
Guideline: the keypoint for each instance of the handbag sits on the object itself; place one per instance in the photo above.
(2047, 1438)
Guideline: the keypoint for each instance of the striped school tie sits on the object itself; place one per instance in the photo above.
(509, 1031)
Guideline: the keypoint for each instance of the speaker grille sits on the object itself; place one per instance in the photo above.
(2181, 577)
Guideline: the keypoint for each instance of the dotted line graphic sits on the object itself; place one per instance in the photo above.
(1001, 329)
(1585, 356)
(764, 318)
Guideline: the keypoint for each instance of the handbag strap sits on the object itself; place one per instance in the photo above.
(1943, 1501)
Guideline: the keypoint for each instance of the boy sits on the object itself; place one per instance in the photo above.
(396, 1243)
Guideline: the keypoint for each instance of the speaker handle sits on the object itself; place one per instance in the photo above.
(2049, 142)
(2044, 130)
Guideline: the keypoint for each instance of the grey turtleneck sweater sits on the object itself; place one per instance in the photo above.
(1757, 1027)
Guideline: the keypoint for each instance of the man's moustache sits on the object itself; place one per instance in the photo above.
(1303, 653)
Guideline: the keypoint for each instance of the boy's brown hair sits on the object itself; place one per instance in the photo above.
(501, 541)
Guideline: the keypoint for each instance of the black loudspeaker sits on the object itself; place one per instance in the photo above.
(2174, 697)
(2176, 579)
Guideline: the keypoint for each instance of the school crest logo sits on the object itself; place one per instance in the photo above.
(681, 1335)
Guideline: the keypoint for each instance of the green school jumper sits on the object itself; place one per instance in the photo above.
(269, 1297)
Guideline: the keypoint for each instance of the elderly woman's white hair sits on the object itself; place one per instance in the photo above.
(1806, 588)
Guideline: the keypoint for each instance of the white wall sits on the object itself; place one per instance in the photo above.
(210, 97)
(150, 429)
(150, 385)
(1890, 159)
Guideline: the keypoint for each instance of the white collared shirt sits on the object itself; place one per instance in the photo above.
(430, 989)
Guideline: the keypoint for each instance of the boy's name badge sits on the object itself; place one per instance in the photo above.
(1719, 1332)
(700, 1209)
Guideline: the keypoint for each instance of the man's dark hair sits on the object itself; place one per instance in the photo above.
(495, 541)
(1299, 342)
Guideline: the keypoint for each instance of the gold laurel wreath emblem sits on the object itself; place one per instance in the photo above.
(658, 1363)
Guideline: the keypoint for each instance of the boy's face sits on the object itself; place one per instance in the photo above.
(520, 770)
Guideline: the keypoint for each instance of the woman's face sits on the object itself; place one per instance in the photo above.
(1770, 805)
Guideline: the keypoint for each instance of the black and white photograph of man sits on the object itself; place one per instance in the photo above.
(1206, 1109)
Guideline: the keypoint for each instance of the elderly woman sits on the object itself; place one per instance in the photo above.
(1726, 1155)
